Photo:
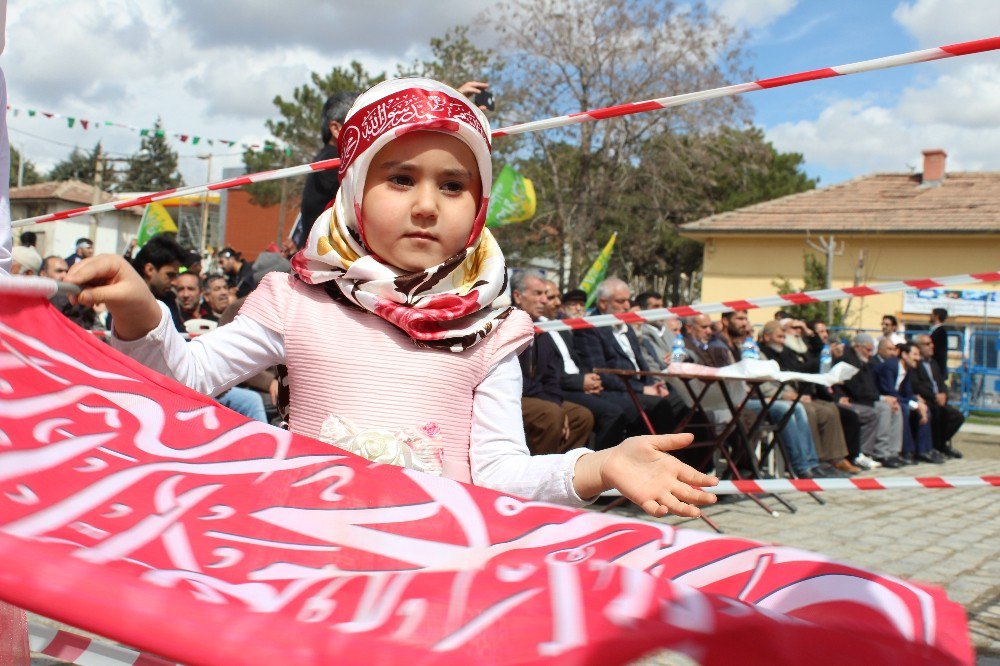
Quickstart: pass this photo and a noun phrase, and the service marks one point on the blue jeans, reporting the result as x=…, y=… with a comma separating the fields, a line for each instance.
x=244, y=401
x=796, y=434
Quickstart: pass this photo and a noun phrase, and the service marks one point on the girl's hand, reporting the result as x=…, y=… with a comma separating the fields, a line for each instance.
x=109, y=279
x=643, y=472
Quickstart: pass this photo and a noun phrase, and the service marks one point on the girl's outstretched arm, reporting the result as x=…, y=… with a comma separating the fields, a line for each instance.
x=642, y=470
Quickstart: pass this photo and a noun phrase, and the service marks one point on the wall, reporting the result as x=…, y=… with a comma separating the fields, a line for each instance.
x=114, y=229
x=250, y=228
x=745, y=266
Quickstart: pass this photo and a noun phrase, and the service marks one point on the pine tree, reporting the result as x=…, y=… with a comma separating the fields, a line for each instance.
x=154, y=167
x=82, y=166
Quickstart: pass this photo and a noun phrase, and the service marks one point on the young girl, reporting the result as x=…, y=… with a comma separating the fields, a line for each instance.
x=393, y=347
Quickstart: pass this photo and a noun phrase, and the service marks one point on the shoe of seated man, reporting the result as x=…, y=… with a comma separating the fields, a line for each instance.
x=828, y=471
x=931, y=457
x=951, y=452
x=844, y=465
x=864, y=462
x=892, y=462
x=907, y=459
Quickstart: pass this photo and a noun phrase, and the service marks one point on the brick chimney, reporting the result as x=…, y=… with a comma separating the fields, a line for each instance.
x=934, y=159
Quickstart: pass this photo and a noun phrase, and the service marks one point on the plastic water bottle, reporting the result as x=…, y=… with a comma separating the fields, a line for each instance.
x=677, y=352
x=749, y=350
x=825, y=359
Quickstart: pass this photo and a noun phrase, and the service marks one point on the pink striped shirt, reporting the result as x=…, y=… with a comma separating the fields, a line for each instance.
x=353, y=364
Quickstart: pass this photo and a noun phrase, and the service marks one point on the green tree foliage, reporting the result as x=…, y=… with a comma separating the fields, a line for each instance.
x=814, y=278
x=80, y=165
x=29, y=173
x=154, y=167
x=455, y=59
x=299, y=127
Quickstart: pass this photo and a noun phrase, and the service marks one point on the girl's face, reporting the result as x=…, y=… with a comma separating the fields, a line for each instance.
x=421, y=196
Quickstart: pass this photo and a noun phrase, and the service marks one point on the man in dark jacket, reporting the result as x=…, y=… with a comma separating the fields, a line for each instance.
x=617, y=347
x=884, y=441
x=929, y=383
x=893, y=378
x=321, y=186
x=581, y=388
x=939, y=336
x=551, y=424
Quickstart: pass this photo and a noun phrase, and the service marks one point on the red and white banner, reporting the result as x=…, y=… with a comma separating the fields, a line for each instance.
x=135, y=508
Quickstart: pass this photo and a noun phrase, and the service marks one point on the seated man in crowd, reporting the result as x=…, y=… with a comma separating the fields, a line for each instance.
x=928, y=381
x=551, y=424
x=894, y=379
x=886, y=350
x=574, y=303
x=238, y=271
x=808, y=342
x=54, y=267
x=158, y=263
x=655, y=337
x=26, y=261
x=701, y=345
x=884, y=442
x=734, y=329
x=216, y=294
x=797, y=434
x=617, y=347
x=187, y=286
x=824, y=418
x=583, y=388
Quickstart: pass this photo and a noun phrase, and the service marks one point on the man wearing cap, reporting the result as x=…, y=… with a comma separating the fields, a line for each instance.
x=26, y=261
x=574, y=303
x=84, y=249
x=238, y=271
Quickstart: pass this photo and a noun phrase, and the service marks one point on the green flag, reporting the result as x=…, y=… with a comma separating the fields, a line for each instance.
x=597, y=271
x=512, y=200
x=155, y=220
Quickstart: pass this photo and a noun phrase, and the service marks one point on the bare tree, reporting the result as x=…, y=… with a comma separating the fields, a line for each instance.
x=563, y=56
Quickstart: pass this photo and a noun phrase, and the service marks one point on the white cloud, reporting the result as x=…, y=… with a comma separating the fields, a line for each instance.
x=752, y=14
x=940, y=22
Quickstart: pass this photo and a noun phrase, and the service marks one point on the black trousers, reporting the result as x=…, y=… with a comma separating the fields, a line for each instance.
x=851, y=424
x=609, y=418
x=945, y=422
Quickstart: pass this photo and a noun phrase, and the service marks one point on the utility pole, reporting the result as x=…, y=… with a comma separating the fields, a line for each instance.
x=827, y=245
x=204, y=204
x=98, y=182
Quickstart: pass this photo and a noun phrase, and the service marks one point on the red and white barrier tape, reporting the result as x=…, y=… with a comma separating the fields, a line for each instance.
x=76, y=649
x=937, y=53
x=815, y=485
x=779, y=300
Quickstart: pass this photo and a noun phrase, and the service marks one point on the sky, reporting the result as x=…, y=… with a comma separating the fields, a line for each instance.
x=211, y=69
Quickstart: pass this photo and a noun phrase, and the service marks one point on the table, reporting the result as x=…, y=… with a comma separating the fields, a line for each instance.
x=690, y=376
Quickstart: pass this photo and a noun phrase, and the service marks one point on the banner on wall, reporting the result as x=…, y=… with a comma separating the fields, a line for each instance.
x=958, y=302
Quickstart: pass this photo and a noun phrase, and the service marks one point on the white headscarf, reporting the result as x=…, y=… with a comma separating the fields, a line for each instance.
x=448, y=306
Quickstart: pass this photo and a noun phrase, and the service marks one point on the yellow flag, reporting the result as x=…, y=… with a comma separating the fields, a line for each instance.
x=155, y=220
x=597, y=271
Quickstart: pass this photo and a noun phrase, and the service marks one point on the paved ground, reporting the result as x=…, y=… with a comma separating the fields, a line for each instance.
x=950, y=538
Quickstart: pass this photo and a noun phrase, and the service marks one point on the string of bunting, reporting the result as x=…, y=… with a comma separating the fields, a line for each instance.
x=193, y=139
x=937, y=53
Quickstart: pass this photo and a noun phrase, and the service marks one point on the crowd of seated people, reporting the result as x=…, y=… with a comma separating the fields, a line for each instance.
x=893, y=412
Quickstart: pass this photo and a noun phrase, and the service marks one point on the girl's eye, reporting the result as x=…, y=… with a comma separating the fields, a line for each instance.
x=453, y=186
x=401, y=180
